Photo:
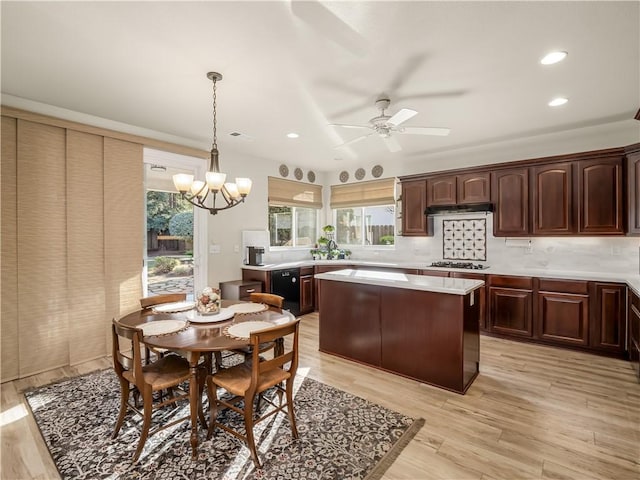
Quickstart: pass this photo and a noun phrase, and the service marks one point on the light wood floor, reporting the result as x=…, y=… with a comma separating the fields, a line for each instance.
x=533, y=412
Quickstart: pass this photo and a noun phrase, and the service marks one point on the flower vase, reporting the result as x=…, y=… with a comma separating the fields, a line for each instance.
x=208, y=301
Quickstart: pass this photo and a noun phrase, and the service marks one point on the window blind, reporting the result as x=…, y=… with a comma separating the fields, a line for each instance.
x=296, y=194
x=363, y=194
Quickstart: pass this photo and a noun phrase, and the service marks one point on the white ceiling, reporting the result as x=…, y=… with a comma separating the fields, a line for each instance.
x=298, y=66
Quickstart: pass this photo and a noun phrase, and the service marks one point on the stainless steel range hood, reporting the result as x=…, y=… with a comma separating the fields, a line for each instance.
x=468, y=208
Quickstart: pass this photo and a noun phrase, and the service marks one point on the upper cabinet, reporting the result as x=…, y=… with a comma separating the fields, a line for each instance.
x=510, y=193
x=460, y=189
x=600, y=197
x=577, y=194
x=633, y=188
x=553, y=199
x=414, y=203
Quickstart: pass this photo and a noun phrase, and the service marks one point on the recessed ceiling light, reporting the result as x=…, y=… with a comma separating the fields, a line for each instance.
x=556, y=102
x=553, y=57
x=292, y=135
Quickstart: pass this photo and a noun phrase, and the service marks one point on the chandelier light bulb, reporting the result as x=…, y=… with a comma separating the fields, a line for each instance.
x=232, y=190
x=198, y=188
x=215, y=180
x=244, y=186
x=182, y=182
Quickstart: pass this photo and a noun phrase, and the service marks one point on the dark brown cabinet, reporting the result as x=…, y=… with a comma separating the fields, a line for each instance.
x=262, y=276
x=634, y=331
x=553, y=199
x=607, y=317
x=600, y=197
x=473, y=188
x=240, y=289
x=441, y=190
x=510, y=194
x=633, y=189
x=306, y=293
x=511, y=305
x=414, y=203
x=459, y=189
x=563, y=311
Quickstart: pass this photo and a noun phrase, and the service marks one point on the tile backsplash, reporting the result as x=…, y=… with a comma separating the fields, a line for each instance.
x=464, y=239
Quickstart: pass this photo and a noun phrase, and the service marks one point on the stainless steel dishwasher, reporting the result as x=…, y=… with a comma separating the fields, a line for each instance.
x=286, y=283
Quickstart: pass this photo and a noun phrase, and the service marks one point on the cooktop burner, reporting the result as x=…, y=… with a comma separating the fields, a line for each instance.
x=468, y=265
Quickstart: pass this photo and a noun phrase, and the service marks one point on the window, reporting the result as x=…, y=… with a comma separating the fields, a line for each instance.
x=364, y=212
x=293, y=213
x=292, y=226
x=365, y=225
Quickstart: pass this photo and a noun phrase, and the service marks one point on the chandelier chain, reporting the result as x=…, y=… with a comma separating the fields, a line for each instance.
x=215, y=120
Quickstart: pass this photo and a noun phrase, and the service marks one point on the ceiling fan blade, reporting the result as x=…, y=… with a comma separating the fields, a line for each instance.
x=402, y=116
x=443, y=132
x=355, y=140
x=347, y=126
x=392, y=144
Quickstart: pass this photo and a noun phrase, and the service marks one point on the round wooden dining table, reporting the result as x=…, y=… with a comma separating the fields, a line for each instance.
x=207, y=336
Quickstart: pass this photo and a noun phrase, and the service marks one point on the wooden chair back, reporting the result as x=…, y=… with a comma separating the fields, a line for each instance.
x=127, y=356
x=273, y=301
x=287, y=353
x=148, y=302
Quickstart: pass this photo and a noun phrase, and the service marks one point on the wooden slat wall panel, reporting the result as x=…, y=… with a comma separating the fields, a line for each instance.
x=9, y=249
x=123, y=226
x=85, y=246
x=42, y=239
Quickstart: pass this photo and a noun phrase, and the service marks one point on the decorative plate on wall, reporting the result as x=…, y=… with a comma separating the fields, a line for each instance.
x=344, y=176
x=360, y=173
x=311, y=176
x=298, y=174
x=284, y=170
x=377, y=171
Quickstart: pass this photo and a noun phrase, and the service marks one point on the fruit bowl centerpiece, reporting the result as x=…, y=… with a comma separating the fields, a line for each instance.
x=208, y=301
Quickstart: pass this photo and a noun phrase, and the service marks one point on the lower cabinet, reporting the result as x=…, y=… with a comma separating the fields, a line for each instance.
x=607, y=331
x=563, y=318
x=306, y=294
x=482, y=295
x=511, y=306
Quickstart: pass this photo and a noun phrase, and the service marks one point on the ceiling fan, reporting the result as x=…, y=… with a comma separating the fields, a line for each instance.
x=387, y=125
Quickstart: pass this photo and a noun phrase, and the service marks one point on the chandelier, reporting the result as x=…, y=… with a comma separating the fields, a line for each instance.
x=196, y=192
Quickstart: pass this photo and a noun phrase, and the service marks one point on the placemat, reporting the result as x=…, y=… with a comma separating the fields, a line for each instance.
x=224, y=314
x=248, y=307
x=243, y=329
x=173, y=307
x=162, y=327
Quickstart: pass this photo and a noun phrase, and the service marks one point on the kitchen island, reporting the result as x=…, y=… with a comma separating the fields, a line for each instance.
x=421, y=327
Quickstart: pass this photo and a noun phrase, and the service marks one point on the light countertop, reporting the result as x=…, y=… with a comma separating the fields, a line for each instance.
x=631, y=279
x=454, y=286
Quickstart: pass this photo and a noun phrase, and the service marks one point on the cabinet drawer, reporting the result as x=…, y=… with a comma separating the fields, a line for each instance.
x=247, y=289
x=435, y=273
x=635, y=300
x=563, y=286
x=526, y=283
x=306, y=271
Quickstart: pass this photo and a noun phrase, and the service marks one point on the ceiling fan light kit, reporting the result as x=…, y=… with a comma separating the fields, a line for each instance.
x=386, y=125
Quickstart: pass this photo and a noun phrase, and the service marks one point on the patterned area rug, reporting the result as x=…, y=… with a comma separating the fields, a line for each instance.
x=341, y=437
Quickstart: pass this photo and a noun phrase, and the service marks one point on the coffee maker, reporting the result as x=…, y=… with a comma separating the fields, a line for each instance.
x=254, y=255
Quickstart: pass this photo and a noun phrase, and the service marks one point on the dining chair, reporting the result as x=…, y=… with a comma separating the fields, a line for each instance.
x=166, y=373
x=271, y=300
x=251, y=378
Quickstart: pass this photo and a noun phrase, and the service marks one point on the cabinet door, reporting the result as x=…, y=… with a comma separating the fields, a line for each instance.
x=441, y=190
x=473, y=188
x=563, y=318
x=306, y=294
x=633, y=192
x=510, y=311
x=553, y=199
x=510, y=193
x=608, y=316
x=414, y=203
x=600, y=201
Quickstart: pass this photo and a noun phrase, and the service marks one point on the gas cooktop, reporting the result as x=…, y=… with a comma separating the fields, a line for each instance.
x=468, y=265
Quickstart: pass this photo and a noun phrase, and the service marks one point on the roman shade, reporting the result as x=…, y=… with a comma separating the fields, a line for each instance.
x=364, y=194
x=295, y=194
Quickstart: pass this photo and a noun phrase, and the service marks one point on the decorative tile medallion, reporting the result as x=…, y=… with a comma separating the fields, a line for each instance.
x=298, y=173
x=465, y=239
x=360, y=173
x=344, y=176
x=284, y=170
x=377, y=171
x=311, y=176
